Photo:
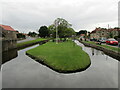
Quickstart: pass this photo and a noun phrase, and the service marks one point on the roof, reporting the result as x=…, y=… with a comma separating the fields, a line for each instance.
x=5, y=27
x=103, y=29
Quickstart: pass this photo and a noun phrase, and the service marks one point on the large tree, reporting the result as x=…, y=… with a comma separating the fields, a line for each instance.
x=63, y=28
x=43, y=31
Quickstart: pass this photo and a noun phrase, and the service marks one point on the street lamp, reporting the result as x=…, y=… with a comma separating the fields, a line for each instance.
x=56, y=25
x=56, y=35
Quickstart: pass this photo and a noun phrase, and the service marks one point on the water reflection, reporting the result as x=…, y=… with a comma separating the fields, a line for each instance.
x=8, y=55
x=24, y=72
x=92, y=51
x=96, y=52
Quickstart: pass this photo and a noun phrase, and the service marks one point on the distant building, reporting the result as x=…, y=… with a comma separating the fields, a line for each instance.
x=99, y=33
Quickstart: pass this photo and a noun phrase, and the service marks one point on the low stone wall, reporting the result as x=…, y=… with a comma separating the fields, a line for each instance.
x=8, y=44
x=109, y=52
x=31, y=44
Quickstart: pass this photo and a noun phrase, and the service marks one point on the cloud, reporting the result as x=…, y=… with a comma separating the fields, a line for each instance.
x=29, y=15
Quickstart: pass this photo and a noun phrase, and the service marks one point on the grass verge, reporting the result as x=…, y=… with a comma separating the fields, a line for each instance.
x=105, y=46
x=64, y=57
x=29, y=42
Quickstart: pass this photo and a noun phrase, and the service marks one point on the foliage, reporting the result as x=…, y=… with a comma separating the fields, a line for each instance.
x=82, y=32
x=63, y=27
x=44, y=31
x=21, y=35
x=110, y=35
x=32, y=34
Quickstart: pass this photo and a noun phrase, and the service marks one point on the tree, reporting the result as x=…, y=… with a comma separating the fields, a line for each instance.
x=110, y=35
x=21, y=35
x=52, y=30
x=63, y=27
x=32, y=34
x=82, y=32
x=44, y=31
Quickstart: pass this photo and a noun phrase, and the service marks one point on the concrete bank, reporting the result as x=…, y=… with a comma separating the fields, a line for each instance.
x=111, y=53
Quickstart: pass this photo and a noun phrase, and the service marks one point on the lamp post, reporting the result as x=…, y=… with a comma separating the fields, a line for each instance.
x=56, y=26
x=56, y=35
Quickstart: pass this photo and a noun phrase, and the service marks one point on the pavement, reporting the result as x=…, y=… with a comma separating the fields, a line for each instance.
x=27, y=39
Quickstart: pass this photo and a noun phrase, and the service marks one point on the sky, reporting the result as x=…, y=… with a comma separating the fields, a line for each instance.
x=30, y=15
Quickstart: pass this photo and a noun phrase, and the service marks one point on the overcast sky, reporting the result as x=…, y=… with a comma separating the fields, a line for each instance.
x=29, y=15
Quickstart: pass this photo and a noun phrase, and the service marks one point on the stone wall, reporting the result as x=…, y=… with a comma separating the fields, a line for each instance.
x=8, y=45
x=8, y=39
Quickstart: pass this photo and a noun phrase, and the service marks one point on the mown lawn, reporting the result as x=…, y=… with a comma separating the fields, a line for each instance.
x=64, y=56
x=105, y=46
x=28, y=42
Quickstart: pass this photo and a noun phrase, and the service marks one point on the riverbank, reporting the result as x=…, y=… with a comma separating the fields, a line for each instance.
x=65, y=57
x=111, y=51
x=31, y=43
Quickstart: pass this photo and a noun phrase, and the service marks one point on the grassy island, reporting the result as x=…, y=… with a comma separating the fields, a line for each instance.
x=62, y=57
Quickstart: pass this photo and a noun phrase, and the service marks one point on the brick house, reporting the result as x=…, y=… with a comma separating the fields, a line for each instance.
x=8, y=37
x=99, y=33
x=8, y=32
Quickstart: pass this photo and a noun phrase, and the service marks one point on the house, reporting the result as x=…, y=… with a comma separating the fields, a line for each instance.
x=7, y=32
x=100, y=33
x=8, y=37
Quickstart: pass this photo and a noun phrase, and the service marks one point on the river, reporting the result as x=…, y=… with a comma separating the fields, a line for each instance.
x=24, y=72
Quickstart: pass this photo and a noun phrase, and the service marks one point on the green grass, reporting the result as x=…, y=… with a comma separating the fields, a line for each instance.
x=112, y=48
x=62, y=57
x=28, y=42
x=105, y=46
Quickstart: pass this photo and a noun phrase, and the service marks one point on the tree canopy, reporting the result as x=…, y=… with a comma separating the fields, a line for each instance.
x=43, y=31
x=63, y=27
x=32, y=34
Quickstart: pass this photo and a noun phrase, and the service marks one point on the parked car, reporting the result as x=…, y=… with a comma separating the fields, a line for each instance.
x=112, y=41
x=103, y=40
x=93, y=39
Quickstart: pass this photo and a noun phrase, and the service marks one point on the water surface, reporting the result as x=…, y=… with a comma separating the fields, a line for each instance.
x=24, y=72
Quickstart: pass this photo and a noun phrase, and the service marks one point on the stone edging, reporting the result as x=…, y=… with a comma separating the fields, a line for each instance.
x=111, y=53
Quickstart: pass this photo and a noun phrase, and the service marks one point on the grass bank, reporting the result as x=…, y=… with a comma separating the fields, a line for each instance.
x=64, y=57
x=105, y=46
x=29, y=42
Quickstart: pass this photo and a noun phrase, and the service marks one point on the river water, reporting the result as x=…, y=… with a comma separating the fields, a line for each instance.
x=24, y=72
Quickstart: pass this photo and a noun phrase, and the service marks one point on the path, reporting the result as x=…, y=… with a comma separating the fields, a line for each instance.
x=27, y=39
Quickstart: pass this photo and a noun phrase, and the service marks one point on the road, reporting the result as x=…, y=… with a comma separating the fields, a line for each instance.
x=27, y=39
x=24, y=72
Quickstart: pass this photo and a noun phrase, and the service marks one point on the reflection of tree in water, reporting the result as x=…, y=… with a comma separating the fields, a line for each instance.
x=92, y=51
x=97, y=52
x=106, y=57
x=102, y=53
